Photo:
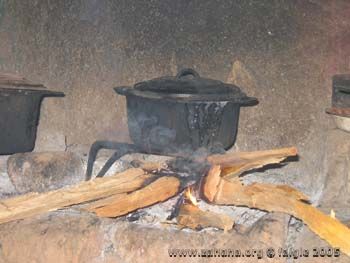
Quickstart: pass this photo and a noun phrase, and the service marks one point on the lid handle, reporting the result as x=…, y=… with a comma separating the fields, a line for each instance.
x=187, y=71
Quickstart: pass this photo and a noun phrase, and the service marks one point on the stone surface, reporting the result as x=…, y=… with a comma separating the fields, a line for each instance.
x=40, y=172
x=342, y=123
x=270, y=231
x=52, y=238
x=50, y=141
x=336, y=192
x=308, y=240
x=6, y=187
x=71, y=237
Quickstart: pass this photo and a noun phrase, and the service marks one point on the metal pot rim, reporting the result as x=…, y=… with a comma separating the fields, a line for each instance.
x=26, y=91
x=188, y=86
x=186, y=98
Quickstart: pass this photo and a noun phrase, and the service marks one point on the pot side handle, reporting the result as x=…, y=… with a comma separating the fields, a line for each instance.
x=124, y=90
x=51, y=93
x=187, y=71
x=248, y=101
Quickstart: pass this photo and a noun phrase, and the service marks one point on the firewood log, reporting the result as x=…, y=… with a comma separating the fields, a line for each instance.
x=229, y=158
x=34, y=204
x=234, y=164
x=118, y=205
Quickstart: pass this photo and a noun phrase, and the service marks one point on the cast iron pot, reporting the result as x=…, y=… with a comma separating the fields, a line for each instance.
x=183, y=113
x=19, y=115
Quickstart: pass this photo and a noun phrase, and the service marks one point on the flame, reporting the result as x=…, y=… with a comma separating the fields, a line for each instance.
x=332, y=214
x=190, y=196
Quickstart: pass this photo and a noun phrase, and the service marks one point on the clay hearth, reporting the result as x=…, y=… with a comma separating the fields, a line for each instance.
x=138, y=234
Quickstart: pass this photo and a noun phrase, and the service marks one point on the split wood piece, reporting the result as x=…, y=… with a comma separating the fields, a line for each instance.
x=34, y=204
x=228, y=158
x=239, y=168
x=193, y=217
x=276, y=198
x=234, y=164
x=118, y=205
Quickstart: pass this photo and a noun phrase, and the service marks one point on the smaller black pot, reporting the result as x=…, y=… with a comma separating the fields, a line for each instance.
x=19, y=115
x=183, y=113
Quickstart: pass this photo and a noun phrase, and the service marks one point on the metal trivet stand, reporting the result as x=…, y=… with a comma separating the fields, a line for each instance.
x=184, y=161
x=121, y=150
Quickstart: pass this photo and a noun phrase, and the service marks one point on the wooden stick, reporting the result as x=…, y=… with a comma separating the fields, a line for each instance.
x=238, y=157
x=236, y=170
x=276, y=198
x=193, y=217
x=33, y=203
x=234, y=164
x=118, y=205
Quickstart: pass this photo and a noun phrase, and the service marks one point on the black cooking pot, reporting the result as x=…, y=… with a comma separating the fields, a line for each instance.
x=183, y=113
x=19, y=115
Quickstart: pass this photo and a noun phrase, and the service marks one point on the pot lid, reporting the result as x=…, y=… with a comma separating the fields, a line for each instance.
x=187, y=85
x=17, y=84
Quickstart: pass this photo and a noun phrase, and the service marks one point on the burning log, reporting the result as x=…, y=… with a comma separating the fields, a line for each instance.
x=191, y=216
x=118, y=205
x=233, y=164
x=34, y=204
x=276, y=198
x=228, y=159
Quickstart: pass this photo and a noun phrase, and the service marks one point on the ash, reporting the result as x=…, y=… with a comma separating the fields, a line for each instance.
x=157, y=215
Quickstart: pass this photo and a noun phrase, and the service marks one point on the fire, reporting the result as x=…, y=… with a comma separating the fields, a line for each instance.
x=190, y=196
x=332, y=214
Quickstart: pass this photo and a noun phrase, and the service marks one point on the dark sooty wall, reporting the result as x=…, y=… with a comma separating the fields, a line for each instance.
x=285, y=53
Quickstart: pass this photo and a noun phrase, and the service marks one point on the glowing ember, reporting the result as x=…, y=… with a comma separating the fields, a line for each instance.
x=332, y=214
x=190, y=196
